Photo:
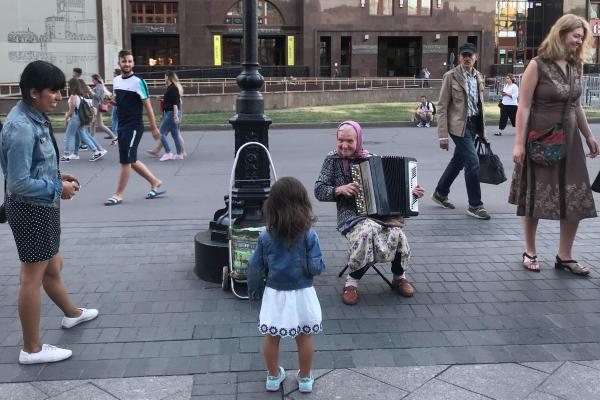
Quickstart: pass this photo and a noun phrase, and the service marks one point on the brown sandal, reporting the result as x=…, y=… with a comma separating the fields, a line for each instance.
x=530, y=261
x=574, y=269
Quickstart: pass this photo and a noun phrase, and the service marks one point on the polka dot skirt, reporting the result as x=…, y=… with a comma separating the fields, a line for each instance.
x=36, y=230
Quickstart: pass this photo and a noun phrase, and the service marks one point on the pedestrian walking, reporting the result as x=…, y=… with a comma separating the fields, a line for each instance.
x=550, y=100
x=77, y=129
x=101, y=104
x=461, y=117
x=171, y=117
x=34, y=188
x=114, y=119
x=288, y=256
x=508, y=104
x=131, y=96
x=171, y=78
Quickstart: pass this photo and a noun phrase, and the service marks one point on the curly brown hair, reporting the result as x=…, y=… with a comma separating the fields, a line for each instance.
x=287, y=211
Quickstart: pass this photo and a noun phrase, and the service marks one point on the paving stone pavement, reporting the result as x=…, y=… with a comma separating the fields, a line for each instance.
x=478, y=327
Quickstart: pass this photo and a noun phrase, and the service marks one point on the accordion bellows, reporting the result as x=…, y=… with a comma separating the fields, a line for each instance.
x=385, y=186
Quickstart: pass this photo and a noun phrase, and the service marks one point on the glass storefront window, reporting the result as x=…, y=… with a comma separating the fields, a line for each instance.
x=519, y=30
x=156, y=12
x=268, y=15
x=419, y=7
x=381, y=7
x=155, y=50
x=594, y=10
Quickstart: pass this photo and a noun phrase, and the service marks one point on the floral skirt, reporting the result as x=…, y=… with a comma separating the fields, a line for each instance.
x=290, y=312
x=372, y=243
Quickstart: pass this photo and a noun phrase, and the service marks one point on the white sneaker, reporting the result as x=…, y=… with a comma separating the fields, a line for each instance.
x=427, y=125
x=74, y=157
x=178, y=157
x=48, y=354
x=86, y=315
x=166, y=157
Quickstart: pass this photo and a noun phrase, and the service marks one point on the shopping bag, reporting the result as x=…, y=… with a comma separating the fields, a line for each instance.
x=596, y=184
x=491, y=169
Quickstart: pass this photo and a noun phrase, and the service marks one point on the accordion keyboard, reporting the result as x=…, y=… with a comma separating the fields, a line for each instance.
x=361, y=204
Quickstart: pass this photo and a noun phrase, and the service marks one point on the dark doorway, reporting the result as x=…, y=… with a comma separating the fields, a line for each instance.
x=346, y=56
x=452, y=59
x=398, y=56
x=325, y=56
x=271, y=50
x=155, y=50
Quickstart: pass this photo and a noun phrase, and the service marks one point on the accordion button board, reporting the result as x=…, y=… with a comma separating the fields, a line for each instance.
x=385, y=186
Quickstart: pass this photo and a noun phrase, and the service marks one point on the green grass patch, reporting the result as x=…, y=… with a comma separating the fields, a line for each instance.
x=363, y=113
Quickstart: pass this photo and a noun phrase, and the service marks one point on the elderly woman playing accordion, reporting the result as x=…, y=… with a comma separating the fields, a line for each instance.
x=372, y=241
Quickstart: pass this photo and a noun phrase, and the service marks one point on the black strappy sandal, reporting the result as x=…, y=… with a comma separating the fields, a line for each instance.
x=576, y=269
x=531, y=260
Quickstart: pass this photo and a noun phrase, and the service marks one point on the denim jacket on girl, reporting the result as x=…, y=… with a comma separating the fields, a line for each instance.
x=285, y=269
x=28, y=158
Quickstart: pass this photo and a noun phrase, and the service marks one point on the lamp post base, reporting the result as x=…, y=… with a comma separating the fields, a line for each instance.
x=211, y=257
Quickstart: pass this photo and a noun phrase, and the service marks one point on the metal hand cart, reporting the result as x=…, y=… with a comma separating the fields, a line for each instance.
x=242, y=239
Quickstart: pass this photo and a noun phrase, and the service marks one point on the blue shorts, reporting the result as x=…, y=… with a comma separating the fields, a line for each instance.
x=129, y=139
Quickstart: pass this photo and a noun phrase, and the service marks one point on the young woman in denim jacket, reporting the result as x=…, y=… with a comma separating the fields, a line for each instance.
x=34, y=187
x=288, y=254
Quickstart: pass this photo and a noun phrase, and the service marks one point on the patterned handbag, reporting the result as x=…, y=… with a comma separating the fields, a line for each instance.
x=549, y=147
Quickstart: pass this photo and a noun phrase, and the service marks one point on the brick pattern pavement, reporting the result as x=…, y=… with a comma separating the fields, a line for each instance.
x=474, y=304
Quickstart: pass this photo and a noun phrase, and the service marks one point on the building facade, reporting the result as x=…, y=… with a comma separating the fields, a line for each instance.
x=356, y=38
x=68, y=33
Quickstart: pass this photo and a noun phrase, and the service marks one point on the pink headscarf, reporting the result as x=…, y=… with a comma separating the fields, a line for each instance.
x=360, y=152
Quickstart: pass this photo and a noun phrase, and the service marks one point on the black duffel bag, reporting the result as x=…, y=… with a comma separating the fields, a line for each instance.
x=491, y=169
x=596, y=184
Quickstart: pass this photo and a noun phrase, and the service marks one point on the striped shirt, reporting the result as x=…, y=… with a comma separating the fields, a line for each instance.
x=130, y=91
x=472, y=91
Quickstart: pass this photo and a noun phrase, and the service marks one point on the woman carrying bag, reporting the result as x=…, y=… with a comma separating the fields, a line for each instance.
x=101, y=106
x=554, y=184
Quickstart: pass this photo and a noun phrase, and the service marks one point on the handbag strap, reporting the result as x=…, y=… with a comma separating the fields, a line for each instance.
x=564, y=113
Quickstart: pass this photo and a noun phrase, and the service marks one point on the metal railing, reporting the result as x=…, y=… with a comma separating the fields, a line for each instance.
x=590, y=89
x=285, y=85
x=281, y=85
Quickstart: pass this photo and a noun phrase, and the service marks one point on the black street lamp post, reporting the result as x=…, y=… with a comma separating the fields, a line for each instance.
x=252, y=175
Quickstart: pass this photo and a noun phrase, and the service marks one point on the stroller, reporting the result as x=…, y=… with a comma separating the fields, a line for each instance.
x=242, y=239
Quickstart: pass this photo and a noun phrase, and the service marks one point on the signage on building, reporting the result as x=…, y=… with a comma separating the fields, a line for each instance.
x=218, y=59
x=595, y=23
x=435, y=49
x=260, y=30
x=290, y=50
x=158, y=29
x=364, y=49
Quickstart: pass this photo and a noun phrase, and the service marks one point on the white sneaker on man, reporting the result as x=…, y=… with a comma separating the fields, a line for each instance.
x=86, y=315
x=48, y=354
x=427, y=125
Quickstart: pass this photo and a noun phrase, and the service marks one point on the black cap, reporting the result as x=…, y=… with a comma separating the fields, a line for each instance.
x=468, y=48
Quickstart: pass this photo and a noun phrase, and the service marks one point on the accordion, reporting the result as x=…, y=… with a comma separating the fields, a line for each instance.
x=385, y=186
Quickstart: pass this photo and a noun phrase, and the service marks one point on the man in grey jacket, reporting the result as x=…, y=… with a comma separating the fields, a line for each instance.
x=461, y=117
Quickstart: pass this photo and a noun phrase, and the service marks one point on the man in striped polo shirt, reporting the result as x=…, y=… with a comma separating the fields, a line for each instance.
x=130, y=95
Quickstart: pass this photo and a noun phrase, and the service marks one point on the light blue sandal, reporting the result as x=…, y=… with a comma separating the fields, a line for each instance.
x=305, y=385
x=273, y=382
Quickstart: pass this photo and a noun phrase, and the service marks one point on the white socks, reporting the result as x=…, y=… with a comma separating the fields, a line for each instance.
x=350, y=281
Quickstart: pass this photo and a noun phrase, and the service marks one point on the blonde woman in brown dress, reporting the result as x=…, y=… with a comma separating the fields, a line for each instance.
x=561, y=192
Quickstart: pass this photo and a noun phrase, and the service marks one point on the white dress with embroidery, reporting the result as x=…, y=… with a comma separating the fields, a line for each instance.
x=290, y=312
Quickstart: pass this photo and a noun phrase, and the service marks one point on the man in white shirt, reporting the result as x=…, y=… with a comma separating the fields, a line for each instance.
x=424, y=113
